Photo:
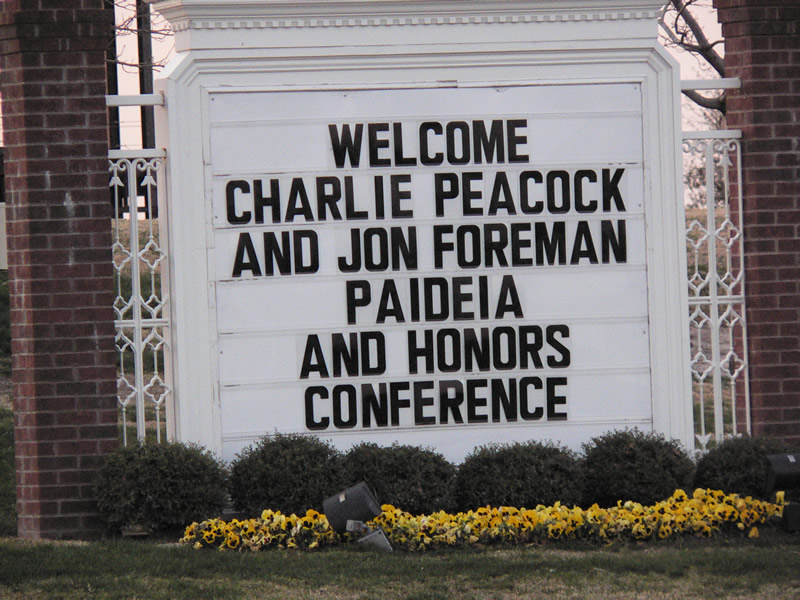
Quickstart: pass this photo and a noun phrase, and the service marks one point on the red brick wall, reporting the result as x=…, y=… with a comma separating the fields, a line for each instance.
x=63, y=373
x=762, y=47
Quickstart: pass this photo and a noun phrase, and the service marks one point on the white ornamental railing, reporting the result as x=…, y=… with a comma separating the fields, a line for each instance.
x=140, y=277
x=716, y=292
x=715, y=272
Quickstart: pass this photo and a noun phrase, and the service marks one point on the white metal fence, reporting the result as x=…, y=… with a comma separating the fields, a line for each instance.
x=715, y=279
x=141, y=304
x=715, y=272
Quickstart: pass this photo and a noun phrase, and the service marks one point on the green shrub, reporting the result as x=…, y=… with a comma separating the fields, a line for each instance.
x=159, y=486
x=289, y=473
x=8, y=483
x=632, y=465
x=519, y=474
x=739, y=465
x=417, y=480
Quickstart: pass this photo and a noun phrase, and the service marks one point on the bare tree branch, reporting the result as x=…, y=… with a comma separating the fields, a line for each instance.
x=128, y=27
x=680, y=28
x=712, y=102
x=700, y=45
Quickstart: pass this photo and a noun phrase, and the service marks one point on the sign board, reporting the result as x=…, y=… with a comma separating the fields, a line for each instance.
x=435, y=262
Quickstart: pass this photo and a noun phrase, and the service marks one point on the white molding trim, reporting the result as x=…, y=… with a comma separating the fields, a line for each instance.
x=267, y=14
x=403, y=21
x=322, y=24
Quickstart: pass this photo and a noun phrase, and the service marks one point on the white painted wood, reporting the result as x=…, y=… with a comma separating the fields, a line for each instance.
x=135, y=100
x=723, y=83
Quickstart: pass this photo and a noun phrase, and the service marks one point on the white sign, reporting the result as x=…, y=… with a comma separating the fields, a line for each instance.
x=464, y=264
x=433, y=223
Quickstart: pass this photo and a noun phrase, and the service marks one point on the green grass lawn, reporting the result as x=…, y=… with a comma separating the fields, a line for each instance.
x=767, y=568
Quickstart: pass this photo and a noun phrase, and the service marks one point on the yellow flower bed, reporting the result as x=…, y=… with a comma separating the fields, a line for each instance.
x=705, y=513
x=272, y=530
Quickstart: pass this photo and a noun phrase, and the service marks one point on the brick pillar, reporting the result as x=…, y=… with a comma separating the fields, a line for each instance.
x=59, y=254
x=762, y=47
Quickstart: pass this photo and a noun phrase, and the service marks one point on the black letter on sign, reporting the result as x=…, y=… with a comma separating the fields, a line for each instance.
x=584, y=246
x=376, y=144
x=230, y=202
x=580, y=206
x=298, y=239
x=450, y=403
x=424, y=351
x=505, y=400
x=260, y=201
x=611, y=190
x=425, y=156
x=313, y=359
x=322, y=392
x=240, y=264
x=450, y=131
x=508, y=300
x=399, y=159
x=298, y=203
x=564, y=360
x=440, y=193
x=344, y=354
x=490, y=145
x=396, y=402
x=421, y=401
x=524, y=410
x=353, y=300
x=615, y=241
x=389, y=304
x=553, y=400
x=515, y=140
x=373, y=340
x=553, y=247
x=346, y=145
x=372, y=404
x=277, y=254
x=352, y=415
x=553, y=205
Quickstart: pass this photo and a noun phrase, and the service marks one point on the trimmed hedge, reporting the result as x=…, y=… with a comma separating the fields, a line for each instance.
x=418, y=479
x=163, y=486
x=739, y=465
x=159, y=486
x=632, y=465
x=519, y=474
x=289, y=473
